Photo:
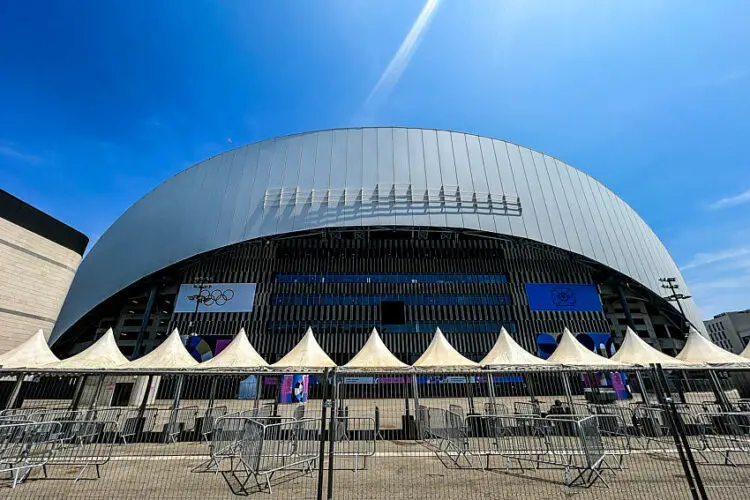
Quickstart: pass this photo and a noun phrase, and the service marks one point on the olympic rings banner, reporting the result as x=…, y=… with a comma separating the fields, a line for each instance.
x=215, y=297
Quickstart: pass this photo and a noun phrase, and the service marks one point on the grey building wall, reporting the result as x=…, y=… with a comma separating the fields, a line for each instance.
x=730, y=330
x=35, y=274
x=369, y=177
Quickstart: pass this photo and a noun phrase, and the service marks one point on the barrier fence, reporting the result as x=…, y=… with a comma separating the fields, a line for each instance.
x=344, y=434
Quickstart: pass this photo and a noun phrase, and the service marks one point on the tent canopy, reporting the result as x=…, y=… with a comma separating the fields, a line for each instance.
x=746, y=352
x=169, y=354
x=441, y=354
x=635, y=350
x=238, y=354
x=698, y=349
x=103, y=354
x=34, y=353
x=571, y=352
x=507, y=352
x=306, y=354
x=374, y=354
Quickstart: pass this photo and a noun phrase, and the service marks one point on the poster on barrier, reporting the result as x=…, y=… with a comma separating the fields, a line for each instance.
x=294, y=388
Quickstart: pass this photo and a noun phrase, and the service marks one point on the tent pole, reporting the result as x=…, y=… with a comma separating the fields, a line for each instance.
x=568, y=391
x=642, y=386
x=16, y=391
x=491, y=390
x=212, y=393
x=175, y=403
x=99, y=384
x=721, y=398
x=415, y=392
x=470, y=394
x=530, y=386
x=78, y=392
x=406, y=398
x=258, y=390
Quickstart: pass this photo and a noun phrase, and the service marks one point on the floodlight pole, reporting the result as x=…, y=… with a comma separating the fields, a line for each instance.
x=201, y=283
x=671, y=285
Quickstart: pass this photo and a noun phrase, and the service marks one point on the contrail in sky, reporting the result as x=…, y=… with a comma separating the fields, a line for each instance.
x=400, y=61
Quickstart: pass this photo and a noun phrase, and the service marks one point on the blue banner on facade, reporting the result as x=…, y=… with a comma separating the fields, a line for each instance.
x=563, y=297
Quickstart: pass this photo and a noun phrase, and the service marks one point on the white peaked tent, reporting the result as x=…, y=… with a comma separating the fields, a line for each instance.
x=507, y=352
x=374, y=354
x=746, y=352
x=306, y=354
x=635, y=350
x=238, y=354
x=169, y=354
x=698, y=349
x=103, y=354
x=441, y=354
x=571, y=352
x=34, y=353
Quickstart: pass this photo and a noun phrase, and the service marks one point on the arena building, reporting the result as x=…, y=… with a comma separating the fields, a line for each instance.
x=396, y=228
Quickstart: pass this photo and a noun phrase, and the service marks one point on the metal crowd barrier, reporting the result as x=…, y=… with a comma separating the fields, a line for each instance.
x=225, y=438
x=25, y=446
x=495, y=409
x=226, y=434
x=573, y=443
x=448, y=429
x=354, y=437
x=134, y=422
x=16, y=414
x=84, y=443
x=55, y=415
x=265, y=449
x=527, y=408
x=209, y=418
x=724, y=433
x=181, y=420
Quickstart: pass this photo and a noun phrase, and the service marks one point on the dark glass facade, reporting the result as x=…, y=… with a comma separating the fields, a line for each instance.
x=345, y=282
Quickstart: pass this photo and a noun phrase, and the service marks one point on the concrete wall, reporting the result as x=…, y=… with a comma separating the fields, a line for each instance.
x=35, y=274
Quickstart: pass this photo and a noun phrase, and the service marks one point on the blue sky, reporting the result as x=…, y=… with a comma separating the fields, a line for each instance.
x=101, y=101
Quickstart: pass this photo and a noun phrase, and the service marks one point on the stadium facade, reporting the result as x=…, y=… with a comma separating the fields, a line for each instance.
x=396, y=228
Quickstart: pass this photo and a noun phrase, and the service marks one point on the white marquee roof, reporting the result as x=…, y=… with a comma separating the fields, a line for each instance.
x=240, y=353
x=34, y=353
x=169, y=354
x=571, y=352
x=746, y=352
x=507, y=352
x=374, y=354
x=635, y=350
x=441, y=354
x=698, y=349
x=306, y=354
x=102, y=354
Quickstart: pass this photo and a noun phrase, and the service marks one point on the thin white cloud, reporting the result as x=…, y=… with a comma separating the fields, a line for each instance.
x=400, y=60
x=14, y=154
x=731, y=201
x=708, y=258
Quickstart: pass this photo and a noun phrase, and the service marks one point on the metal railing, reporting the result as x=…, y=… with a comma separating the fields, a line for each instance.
x=264, y=449
x=389, y=427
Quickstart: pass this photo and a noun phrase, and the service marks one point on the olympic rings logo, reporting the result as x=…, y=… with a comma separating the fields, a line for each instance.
x=215, y=296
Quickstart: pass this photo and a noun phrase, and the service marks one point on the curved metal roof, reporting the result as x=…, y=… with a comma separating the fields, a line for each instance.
x=367, y=177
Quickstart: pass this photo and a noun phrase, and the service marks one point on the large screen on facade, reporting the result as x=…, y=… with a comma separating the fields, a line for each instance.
x=219, y=297
x=563, y=297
